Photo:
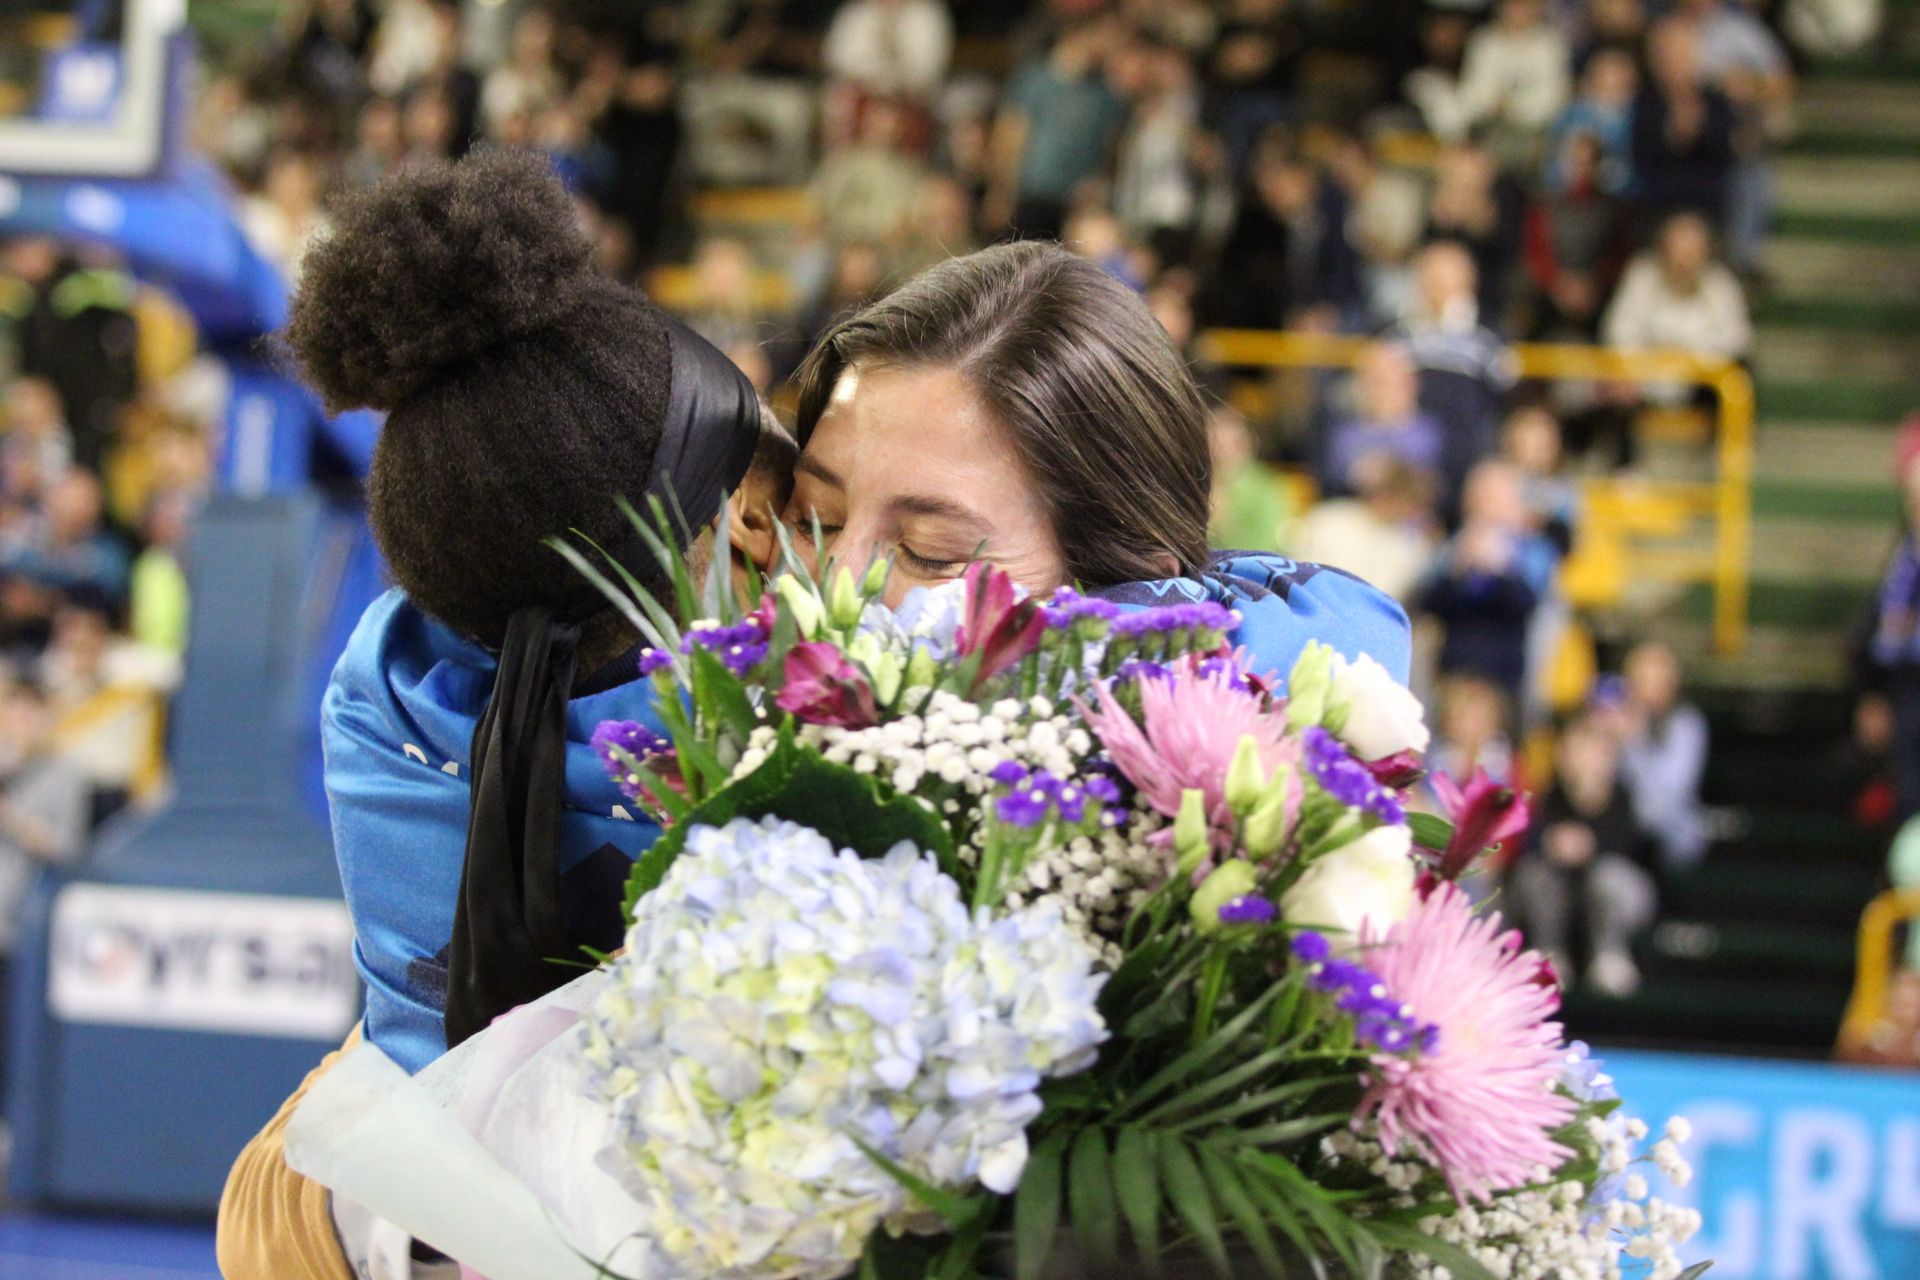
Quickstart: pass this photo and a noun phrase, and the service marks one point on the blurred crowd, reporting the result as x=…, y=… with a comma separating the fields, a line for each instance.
x=1440, y=178
x=100, y=472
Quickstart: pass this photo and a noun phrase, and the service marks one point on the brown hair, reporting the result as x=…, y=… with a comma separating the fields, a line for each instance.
x=1097, y=401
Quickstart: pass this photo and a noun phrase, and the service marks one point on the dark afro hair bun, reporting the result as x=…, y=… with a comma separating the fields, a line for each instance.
x=432, y=268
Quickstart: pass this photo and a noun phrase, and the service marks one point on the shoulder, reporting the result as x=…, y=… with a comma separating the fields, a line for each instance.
x=1285, y=604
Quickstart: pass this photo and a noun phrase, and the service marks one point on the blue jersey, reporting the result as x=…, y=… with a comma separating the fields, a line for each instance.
x=397, y=727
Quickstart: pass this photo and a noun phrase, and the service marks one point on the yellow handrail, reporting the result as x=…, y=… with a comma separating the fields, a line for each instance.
x=1732, y=489
x=1875, y=962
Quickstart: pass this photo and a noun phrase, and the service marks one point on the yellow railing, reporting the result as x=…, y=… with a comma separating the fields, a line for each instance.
x=1875, y=963
x=1728, y=498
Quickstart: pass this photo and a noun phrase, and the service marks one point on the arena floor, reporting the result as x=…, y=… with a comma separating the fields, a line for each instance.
x=33, y=1247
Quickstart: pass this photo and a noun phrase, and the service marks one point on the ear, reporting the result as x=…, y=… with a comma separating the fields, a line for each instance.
x=750, y=522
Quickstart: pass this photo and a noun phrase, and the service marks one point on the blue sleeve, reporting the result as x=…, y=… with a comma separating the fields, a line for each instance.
x=1362, y=619
x=399, y=828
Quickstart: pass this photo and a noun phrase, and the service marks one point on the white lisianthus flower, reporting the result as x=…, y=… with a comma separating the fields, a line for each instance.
x=779, y=1003
x=1382, y=717
x=1365, y=884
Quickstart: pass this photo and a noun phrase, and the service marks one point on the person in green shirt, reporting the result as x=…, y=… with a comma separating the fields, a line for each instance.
x=158, y=594
x=1250, y=508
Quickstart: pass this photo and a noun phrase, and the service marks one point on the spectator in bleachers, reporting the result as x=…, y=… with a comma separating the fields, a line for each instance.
x=1475, y=205
x=1676, y=295
x=1470, y=733
x=1514, y=80
x=1287, y=262
x=1252, y=72
x=1387, y=220
x=941, y=226
x=1575, y=235
x=868, y=190
x=1058, y=124
x=1579, y=878
x=380, y=142
x=1465, y=368
x=1682, y=129
x=1384, y=534
x=67, y=548
x=1742, y=57
x=1663, y=756
x=37, y=449
x=528, y=82
x=286, y=216
x=1531, y=441
x=893, y=51
x=1156, y=190
x=157, y=600
x=45, y=806
x=1603, y=112
x=1435, y=88
x=1488, y=582
x=1888, y=665
x=1249, y=512
x=1388, y=420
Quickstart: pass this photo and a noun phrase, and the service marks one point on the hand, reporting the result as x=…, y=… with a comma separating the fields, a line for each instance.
x=1873, y=726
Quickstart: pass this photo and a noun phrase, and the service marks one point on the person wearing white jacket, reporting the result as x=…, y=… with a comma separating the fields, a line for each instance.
x=1516, y=78
x=1677, y=295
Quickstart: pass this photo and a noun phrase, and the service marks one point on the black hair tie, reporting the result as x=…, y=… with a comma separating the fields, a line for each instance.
x=507, y=927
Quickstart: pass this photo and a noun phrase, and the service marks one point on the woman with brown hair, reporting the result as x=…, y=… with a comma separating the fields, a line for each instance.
x=1021, y=406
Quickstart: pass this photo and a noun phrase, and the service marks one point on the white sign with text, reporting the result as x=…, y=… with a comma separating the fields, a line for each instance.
x=230, y=962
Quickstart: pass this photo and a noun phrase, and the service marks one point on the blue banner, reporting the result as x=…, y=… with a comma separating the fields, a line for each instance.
x=1802, y=1171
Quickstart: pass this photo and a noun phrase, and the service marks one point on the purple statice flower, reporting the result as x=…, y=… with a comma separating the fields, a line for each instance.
x=1034, y=794
x=1251, y=909
x=1203, y=615
x=1380, y=1022
x=652, y=660
x=1347, y=780
x=740, y=647
x=624, y=746
x=1067, y=607
x=1141, y=669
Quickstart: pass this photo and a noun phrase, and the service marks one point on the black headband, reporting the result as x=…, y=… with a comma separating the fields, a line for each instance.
x=709, y=434
x=507, y=926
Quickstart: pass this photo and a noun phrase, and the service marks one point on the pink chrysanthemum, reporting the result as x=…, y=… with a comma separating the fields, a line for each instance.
x=1191, y=724
x=1483, y=1105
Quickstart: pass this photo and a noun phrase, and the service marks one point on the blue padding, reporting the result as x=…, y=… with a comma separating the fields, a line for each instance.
x=176, y=231
x=146, y=1117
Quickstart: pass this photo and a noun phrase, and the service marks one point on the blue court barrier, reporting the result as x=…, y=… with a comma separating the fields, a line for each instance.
x=1802, y=1171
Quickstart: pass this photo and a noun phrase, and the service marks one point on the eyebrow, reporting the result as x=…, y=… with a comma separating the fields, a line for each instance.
x=819, y=471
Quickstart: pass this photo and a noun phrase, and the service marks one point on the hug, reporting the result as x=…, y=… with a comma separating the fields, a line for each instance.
x=1018, y=405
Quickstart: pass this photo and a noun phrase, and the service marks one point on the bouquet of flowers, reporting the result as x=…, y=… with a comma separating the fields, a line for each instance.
x=997, y=935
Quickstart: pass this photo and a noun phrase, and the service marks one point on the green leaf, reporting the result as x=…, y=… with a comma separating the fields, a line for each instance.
x=1090, y=1196
x=1315, y=1201
x=1280, y=1213
x=1214, y=1046
x=1230, y=1190
x=1182, y=1104
x=719, y=696
x=1036, y=1209
x=1192, y=1203
x=1136, y=1180
x=954, y=1210
x=1405, y=1239
x=1283, y=1132
x=1430, y=832
x=852, y=810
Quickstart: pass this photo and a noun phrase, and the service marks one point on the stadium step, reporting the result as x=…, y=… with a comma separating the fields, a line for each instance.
x=1843, y=184
x=1805, y=352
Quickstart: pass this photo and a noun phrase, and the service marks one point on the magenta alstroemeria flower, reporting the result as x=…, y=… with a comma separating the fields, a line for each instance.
x=1399, y=771
x=1483, y=814
x=998, y=624
x=822, y=687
